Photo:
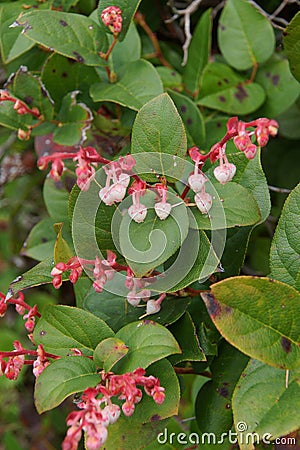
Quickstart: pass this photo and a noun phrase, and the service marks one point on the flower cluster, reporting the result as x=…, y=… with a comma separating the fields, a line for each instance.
x=103, y=270
x=118, y=173
x=112, y=18
x=241, y=133
x=97, y=410
x=21, y=308
x=87, y=158
x=21, y=108
x=13, y=366
x=74, y=265
x=197, y=182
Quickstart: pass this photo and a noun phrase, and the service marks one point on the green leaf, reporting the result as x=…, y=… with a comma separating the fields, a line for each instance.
x=10, y=119
x=63, y=377
x=109, y=352
x=147, y=342
x=39, y=274
x=126, y=51
x=260, y=317
x=285, y=249
x=128, y=8
x=116, y=311
x=12, y=41
x=236, y=202
x=198, y=54
x=245, y=36
x=129, y=90
x=40, y=242
x=289, y=122
x=31, y=91
x=148, y=244
x=62, y=251
x=213, y=404
x=222, y=89
x=192, y=119
x=158, y=132
x=184, y=331
x=62, y=75
x=235, y=250
x=71, y=35
x=291, y=44
x=62, y=328
x=250, y=174
x=169, y=77
x=74, y=120
x=281, y=88
x=196, y=261
x=278, y=414
x=56, y=200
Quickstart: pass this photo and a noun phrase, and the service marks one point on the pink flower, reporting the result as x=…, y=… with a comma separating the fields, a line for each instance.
x=225, y=172
x=203, y=202
x=112, y=18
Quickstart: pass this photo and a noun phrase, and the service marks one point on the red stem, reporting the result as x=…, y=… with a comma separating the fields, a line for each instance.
x=23, y=304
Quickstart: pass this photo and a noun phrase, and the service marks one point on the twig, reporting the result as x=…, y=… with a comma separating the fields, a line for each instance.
x=6, y=145
x=186, y=13
x=280, y=190
x=140, y=19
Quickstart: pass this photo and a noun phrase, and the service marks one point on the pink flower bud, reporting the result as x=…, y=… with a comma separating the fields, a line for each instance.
x=24, y=135
x=162, y=210
x=203, y=202
x=225, y=172
x=197, y=181
x=20, y=310
x=152, y=307
x=273, y=128
x=250, y=151
x=128, y=408
x=262, y=136
x=241, y=142
x=137, y=212
x=113, y=413
x=159, y=395
x=133, y=298
x=3, y=307
x=57, y=281
x=112, y=18
x=29, y=324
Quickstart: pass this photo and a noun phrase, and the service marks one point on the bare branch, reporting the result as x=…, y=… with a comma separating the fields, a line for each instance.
x=280, y=190
x=186, y=14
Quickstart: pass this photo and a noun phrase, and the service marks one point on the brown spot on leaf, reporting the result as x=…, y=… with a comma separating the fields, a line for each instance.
x=223, y=391
x=78, y=57
x=42, y=333
x=63, y=23
x=154, y=418
x=241, y=93
x=28, y=99
x=64, y=75
x=275, y=80
x=189, y=121
x=183, y=108
x=227, y=406
x=212, y=305
x=222, y=98
x=286, y=344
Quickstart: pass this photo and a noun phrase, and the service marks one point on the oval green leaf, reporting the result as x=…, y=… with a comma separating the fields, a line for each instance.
x=291, y=43
x=62, y=328
x=129, y=90
x=260, y=317
x=71, y=35
x=285, y=249
x=63, y=377
x=278, y=414
x=245, y=36
x=147, y=342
